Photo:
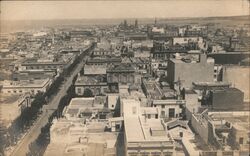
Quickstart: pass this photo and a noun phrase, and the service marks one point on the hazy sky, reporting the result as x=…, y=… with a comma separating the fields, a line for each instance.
x=26, y=10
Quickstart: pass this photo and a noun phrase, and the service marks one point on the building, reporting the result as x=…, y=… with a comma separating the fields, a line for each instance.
x=229, y=58
x=45, y=64
x=230, y=74
x=81, y=131
x=188, y=71
x=170, y=108
x=211, y=85
x=163, y=51
x=91, y=85
x=142, y=135
x=186, y=40
x=33, y=74
x=103, y=61
x=11, y=107
x=29, y=86
x=123, y=73
x=226, y=99
x=224, y=131
x=95, y=69
x=151, y=89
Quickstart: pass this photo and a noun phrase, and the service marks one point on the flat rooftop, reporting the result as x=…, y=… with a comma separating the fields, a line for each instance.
x=138, y=129
x=25, y=84
x=91, y=80
x=65, y=136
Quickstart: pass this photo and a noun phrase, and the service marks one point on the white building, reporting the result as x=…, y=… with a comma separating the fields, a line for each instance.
x=31, y=86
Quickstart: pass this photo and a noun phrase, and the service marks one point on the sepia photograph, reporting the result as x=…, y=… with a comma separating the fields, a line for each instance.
x=125, y=78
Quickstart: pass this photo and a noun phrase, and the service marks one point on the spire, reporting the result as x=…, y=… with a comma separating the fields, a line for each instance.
x=136, y=23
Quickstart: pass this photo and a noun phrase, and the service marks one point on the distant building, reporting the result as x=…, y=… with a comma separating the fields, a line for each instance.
x=162, y=50
x=102, y=52
x=104, y=61
x=186, y=40
x=95, y=69
x=136, y=36
x=33, y=74
x=136, y=23
x=38, y=64
x=123, y=73
x=229, y=58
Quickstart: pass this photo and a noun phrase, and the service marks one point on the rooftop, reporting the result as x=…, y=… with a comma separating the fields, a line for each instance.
x=125, y=67
x=25, y=84
x=138, y=129
x=91, y=80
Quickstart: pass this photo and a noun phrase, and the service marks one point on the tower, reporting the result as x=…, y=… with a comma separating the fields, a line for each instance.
x=136, y=23
x=125, y=24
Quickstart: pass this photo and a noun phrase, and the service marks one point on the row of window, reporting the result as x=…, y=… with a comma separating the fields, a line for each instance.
x=22, y=91
x=43, y=67
x=150, y=154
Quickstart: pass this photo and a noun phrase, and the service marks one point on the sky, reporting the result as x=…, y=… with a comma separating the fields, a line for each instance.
x=40, y=10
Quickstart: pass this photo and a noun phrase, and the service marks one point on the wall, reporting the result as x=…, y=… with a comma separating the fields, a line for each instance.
x=96, y=90
x=201, y=128
x=227, y=99
x=239, y=77
x=190, y=72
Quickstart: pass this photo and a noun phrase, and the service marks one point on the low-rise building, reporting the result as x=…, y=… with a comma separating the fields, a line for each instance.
x=91, y=85
x=123, y=73
x=224, y=131
x=11, y=107
x=170, y=108
x=33, y=74
x=30, y=86
x=81, y=131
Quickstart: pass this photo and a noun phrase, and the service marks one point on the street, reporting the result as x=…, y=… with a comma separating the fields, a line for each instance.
x=23, y=146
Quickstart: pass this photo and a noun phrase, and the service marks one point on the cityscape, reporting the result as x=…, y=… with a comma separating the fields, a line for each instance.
x=125, y=86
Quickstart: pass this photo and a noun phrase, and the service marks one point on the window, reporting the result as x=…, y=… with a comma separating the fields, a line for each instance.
x=171, y=112
x=162, y=106
x=134, y=110
x=162, y=113
x=79, y=90
x=149, y=116
x=156, y=116
x=241, y=141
